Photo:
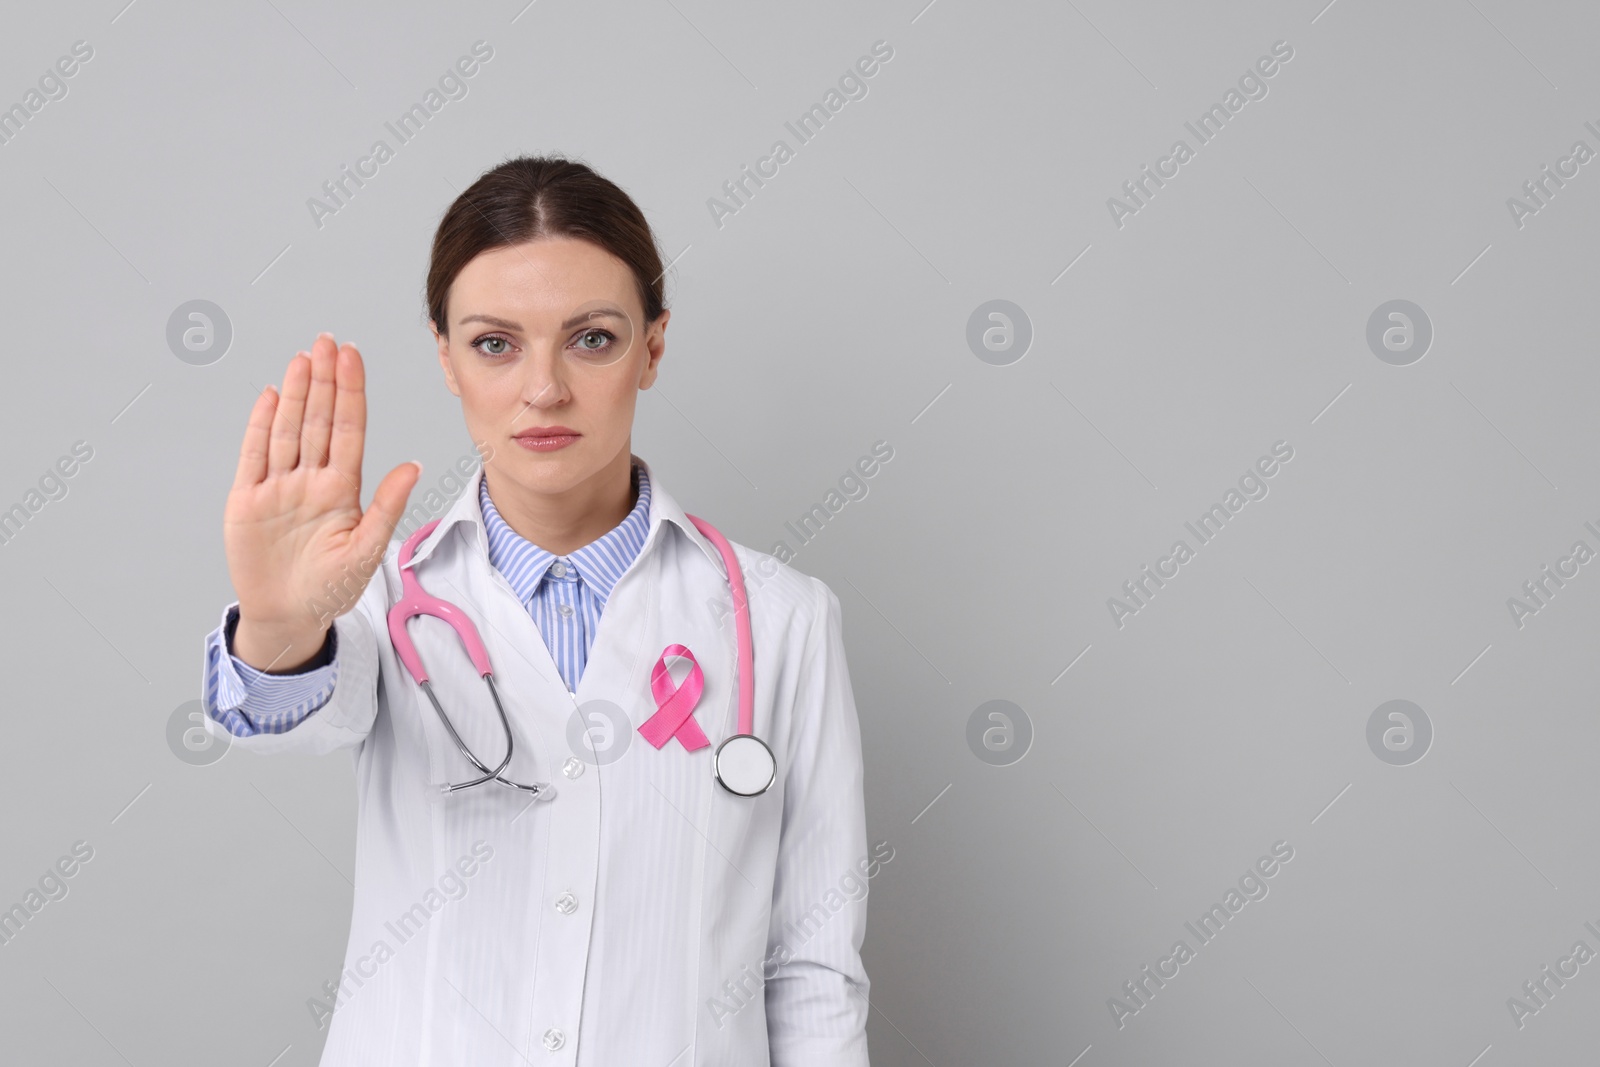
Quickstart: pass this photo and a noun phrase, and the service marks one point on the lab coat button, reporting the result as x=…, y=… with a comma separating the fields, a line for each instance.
x=573, y=767
x=554, y=1039
x=566, y=903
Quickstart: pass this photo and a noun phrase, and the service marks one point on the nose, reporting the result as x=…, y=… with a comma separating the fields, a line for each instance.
x=544, y=382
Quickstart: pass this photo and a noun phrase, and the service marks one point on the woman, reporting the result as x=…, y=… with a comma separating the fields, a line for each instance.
x=633, y=911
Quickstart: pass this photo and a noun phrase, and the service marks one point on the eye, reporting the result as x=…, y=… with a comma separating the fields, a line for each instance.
x=492, y=344
x=596, y=341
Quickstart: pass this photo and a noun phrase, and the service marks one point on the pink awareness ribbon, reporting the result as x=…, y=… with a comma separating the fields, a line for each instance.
x=674, y=715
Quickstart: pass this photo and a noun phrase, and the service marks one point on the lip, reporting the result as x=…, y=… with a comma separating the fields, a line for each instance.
x=546, y=431
x=545, y=438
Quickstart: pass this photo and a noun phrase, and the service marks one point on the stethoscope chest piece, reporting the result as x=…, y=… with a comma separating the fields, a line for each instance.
x=745, y=765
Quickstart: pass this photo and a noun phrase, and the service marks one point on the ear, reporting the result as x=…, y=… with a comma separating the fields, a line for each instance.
x=444, y=359
x=655, y=340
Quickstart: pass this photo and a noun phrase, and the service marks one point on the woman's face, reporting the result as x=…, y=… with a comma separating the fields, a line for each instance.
x=549, y=334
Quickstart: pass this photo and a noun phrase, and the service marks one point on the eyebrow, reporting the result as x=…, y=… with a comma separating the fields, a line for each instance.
x=581, y=317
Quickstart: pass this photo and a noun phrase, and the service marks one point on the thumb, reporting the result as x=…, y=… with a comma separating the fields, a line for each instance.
x=388, y=504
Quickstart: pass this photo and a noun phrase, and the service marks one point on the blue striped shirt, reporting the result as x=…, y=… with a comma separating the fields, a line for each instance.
x=564, y=595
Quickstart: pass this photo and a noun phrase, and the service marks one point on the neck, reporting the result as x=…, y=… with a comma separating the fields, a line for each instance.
x=564, y=522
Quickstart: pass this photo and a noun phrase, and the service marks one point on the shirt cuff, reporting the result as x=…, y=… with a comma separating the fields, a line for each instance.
x=249, y=701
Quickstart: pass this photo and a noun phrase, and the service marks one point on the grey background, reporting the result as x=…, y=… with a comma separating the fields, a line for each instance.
x=829, y=313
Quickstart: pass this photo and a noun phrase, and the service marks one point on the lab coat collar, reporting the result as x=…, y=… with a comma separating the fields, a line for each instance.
x=467, y=512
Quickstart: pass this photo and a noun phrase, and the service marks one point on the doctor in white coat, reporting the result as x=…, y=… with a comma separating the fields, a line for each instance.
x=637, y=913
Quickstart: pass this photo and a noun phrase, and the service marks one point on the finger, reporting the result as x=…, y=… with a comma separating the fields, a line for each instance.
x=283, y=449
x=388, y=503
x=253, y=452
x=349, y=414
x=317, y=425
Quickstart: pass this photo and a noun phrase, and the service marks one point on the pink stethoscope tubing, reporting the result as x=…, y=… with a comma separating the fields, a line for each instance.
x=743, y=764
x=415, y=601
x=741, y=622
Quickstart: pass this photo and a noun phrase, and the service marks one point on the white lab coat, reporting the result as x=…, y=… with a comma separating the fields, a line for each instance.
x=631, y=919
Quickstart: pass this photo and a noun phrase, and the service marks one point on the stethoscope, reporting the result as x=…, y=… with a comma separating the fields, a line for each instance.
x=743, y=763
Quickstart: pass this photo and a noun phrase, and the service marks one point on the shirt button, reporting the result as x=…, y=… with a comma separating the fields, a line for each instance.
x=566, y=903
x=565, y=610
x=558, y=569
x=573, y=767
x=554, y=1039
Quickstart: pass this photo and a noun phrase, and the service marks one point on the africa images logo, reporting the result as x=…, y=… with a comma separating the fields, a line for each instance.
x=1141, y=589
x=1252, y=886
x=1211, y=122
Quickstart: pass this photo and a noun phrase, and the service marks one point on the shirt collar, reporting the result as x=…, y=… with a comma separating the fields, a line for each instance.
x=598, y=564
x=467, y=512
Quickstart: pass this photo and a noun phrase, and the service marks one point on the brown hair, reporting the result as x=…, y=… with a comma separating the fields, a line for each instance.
x=530, y=197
